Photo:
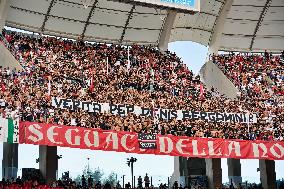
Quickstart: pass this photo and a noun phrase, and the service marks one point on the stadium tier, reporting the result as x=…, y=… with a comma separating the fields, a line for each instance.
x=102, y=73
x=257, y=76
x=97, y=75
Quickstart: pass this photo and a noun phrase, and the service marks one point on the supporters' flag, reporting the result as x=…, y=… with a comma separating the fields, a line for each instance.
x=9, y=130
x=13, y=131
x=92, y=84
x=128, y=59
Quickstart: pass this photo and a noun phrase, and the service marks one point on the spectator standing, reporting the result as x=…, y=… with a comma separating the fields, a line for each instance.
x=90, y=181
x=19, y=181
x=147, y=181
x=175, y=186
x=140, y=182
x=98, y=185
x=128, y=185
x=118, y=186
x=84, y=184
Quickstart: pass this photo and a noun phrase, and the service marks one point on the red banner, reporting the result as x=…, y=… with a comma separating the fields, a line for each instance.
x=94, y=139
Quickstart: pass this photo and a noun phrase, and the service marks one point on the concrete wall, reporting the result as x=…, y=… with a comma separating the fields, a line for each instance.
x=267, y=174
x=4, y=7
x=211, y=75
x=214, y=173
x=7, y=59
x=176, y=174
x=48, y=163
x=10, y=160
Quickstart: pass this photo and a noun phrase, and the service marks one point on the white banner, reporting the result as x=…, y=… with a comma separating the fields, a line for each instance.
x=165, y=114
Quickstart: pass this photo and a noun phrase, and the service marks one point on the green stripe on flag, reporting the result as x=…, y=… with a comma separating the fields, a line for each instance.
x=10, y=131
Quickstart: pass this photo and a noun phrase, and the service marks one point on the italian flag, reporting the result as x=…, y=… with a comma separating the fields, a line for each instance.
x=9, y=130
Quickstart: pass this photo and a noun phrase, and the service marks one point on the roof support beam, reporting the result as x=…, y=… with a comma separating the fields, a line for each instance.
x=83, y=22
x=264, y=10
x=89, y=18
x=166, y=31
x=46, y=16
x=4, y=7
x=194, y=28
x=127, y=23
x=218, y=28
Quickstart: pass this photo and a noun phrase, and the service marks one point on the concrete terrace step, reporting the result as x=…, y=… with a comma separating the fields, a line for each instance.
x=7, y=59
x=212, y=76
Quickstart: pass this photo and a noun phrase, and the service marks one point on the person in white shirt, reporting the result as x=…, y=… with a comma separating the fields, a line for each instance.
x=73, y=121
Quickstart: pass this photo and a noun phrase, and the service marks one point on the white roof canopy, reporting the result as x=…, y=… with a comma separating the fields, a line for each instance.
x=253, y=24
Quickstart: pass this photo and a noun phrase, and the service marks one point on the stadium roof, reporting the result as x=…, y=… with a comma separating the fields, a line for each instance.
x=250, y=24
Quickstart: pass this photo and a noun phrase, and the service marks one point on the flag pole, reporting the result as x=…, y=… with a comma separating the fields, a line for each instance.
x=107, y=64
x=248, y=122
x=128, y=59
x=49, y=88
x=248, y=126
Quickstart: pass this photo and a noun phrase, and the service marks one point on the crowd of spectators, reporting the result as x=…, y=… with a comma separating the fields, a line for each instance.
x=256, y=75
x=136, y=75
x=20, y=184
x=70, y=184
x=60, y=184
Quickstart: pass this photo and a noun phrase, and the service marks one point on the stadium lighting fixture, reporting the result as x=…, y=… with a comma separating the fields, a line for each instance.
x=130, y=162
x=88, y=165
x=123, y=177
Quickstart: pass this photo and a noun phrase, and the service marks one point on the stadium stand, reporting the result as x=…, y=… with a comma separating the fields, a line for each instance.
x=255, y=75
x=102, y=73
